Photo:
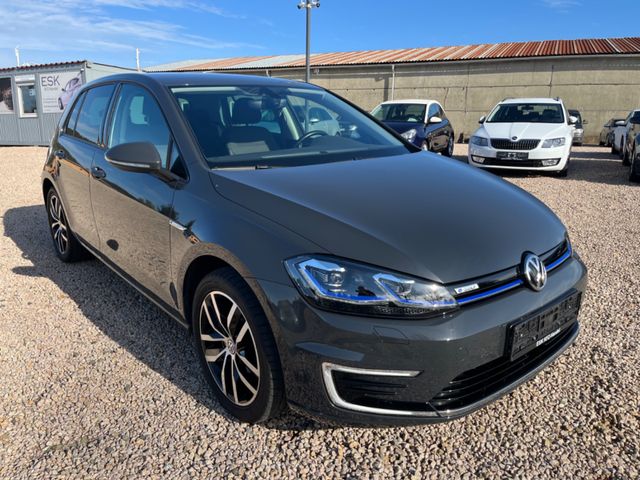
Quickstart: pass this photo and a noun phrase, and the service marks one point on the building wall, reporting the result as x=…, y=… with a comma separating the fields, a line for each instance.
x=16, y=130
x=600, y=87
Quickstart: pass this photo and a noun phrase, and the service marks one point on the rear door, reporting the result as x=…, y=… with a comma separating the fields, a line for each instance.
x=132, y=209
x=74, y=149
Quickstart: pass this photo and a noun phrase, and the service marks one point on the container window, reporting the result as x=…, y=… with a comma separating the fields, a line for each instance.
x=27, y=99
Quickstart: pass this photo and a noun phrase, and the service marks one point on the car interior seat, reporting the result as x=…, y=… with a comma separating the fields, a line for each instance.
x=243, y=136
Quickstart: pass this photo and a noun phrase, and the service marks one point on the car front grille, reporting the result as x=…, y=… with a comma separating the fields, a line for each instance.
x=506, y=144
x=477, y=384
x=500, y=162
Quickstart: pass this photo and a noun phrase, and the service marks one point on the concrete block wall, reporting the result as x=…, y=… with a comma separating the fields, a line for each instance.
x=600, y=87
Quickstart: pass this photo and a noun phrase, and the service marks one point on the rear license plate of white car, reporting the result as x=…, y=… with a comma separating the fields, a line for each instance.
x=513, y=155
x=539, y=328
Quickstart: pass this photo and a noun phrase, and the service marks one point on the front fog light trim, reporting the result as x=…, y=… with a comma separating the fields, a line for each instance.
x=550, y=162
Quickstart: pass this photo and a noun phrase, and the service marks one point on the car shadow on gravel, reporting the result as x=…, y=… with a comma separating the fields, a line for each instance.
x=123, y=314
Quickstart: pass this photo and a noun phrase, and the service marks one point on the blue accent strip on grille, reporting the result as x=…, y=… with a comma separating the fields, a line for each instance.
x=515, y=283
x=489, y=293
x=561, y=260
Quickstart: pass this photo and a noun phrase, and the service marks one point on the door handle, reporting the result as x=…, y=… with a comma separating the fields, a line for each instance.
x=60, y=154
x=97, y=172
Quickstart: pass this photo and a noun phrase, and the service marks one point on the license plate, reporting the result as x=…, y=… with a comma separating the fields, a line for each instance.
x=539, y=328
x=513, y=155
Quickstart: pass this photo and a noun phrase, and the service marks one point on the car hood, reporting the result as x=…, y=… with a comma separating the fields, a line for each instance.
x=524, y=130
x=402, y=127
x=419, y=213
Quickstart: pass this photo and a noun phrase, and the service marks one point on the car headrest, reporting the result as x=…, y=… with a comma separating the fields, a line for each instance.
x=246, y=111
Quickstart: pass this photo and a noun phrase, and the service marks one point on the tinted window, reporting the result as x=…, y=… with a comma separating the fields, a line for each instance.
x=92, y=113
x=433, y=111
x=527, y=113
x=138, y=118
x=400, y=112
x=73, y=116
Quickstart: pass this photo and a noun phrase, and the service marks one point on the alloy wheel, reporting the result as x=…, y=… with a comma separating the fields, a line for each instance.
x=229, y=348
x=58, y=222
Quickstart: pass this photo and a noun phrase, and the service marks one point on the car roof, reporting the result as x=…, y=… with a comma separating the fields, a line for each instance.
x=531, y=100
x=421, y=101
x=179, y=79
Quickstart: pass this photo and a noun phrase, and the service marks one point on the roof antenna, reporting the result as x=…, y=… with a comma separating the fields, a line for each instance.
x=138, y=59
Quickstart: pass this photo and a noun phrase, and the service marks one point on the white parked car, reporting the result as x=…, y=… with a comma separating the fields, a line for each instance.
x=620, y=133
x=524, y=134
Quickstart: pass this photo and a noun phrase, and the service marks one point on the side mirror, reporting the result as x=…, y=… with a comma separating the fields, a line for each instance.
x=134, y=157
x=620, y=123
x=482, y=119
x=573, y=120
x=313, y=120
x=585, y=122
x=435, y=119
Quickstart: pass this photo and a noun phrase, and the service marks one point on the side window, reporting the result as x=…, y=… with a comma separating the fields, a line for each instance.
x=441, y=113
x=138, y=118
x=92, y=113
x=70, y=128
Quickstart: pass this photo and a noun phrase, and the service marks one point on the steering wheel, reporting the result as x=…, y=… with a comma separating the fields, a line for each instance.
x=308, y=135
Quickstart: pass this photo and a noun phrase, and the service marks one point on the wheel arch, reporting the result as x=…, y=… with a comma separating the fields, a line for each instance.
x=46, y=186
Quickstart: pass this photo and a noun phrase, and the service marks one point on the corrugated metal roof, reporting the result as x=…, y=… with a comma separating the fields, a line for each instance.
x=547, y=48
x=42, y=65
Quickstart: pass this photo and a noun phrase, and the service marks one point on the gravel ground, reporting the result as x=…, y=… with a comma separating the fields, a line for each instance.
x=98, y=383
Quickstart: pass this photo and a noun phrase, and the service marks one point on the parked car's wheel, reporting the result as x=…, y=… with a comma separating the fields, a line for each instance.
x=448, y=151
x=614, y=150
x=626, y=157
x=236, y=348
x=634, y=168
x=67, y=246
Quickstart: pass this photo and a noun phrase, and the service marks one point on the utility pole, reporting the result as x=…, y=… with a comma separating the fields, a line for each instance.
x=138, y=59
x=308, y=5
x=17, y=50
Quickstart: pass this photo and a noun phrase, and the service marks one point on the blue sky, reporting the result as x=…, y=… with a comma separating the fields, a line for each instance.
x=108, y=31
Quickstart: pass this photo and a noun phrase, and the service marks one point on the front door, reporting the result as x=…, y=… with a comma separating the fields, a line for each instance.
x=132, y=210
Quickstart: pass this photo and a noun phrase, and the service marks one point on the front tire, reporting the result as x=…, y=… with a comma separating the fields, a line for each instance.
x=236, y=348
x=67, y=247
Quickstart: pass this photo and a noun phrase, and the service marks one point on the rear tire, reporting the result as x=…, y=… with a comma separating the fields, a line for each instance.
x=67, y=247
x=236, y=348
x=626, y=160
x=448, y=151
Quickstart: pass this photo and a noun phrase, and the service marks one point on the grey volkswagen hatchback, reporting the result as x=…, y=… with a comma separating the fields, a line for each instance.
x=336, y=270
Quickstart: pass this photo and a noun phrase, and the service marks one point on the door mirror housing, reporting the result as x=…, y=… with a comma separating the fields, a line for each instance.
x=620, y=123
x=482, y=119
x=573, y=120
x=135, y=157
x=435, y=119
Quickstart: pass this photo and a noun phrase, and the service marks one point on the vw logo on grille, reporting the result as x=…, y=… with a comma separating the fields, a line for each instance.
x=535, y=273
x=514, y=138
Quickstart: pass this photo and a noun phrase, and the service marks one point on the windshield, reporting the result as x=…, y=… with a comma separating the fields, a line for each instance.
x=261, y=126
x=527, y=113
x=400, y=112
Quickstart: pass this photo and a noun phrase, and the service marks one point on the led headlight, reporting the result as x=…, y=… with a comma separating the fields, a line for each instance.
x=409, y=135
x=554, y=142
x=480, y=141
x=345, y=286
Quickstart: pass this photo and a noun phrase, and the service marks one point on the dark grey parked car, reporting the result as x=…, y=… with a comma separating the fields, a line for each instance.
x=348, y=275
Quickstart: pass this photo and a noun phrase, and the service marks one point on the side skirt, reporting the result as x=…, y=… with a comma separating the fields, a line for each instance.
x=166, y=308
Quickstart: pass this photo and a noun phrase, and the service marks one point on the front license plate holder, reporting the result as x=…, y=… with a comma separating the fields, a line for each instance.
x=513, y=155
x=537, y=329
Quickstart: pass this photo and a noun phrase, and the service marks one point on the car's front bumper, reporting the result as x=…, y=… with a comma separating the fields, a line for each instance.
x=406, y=363
x=486, y=157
